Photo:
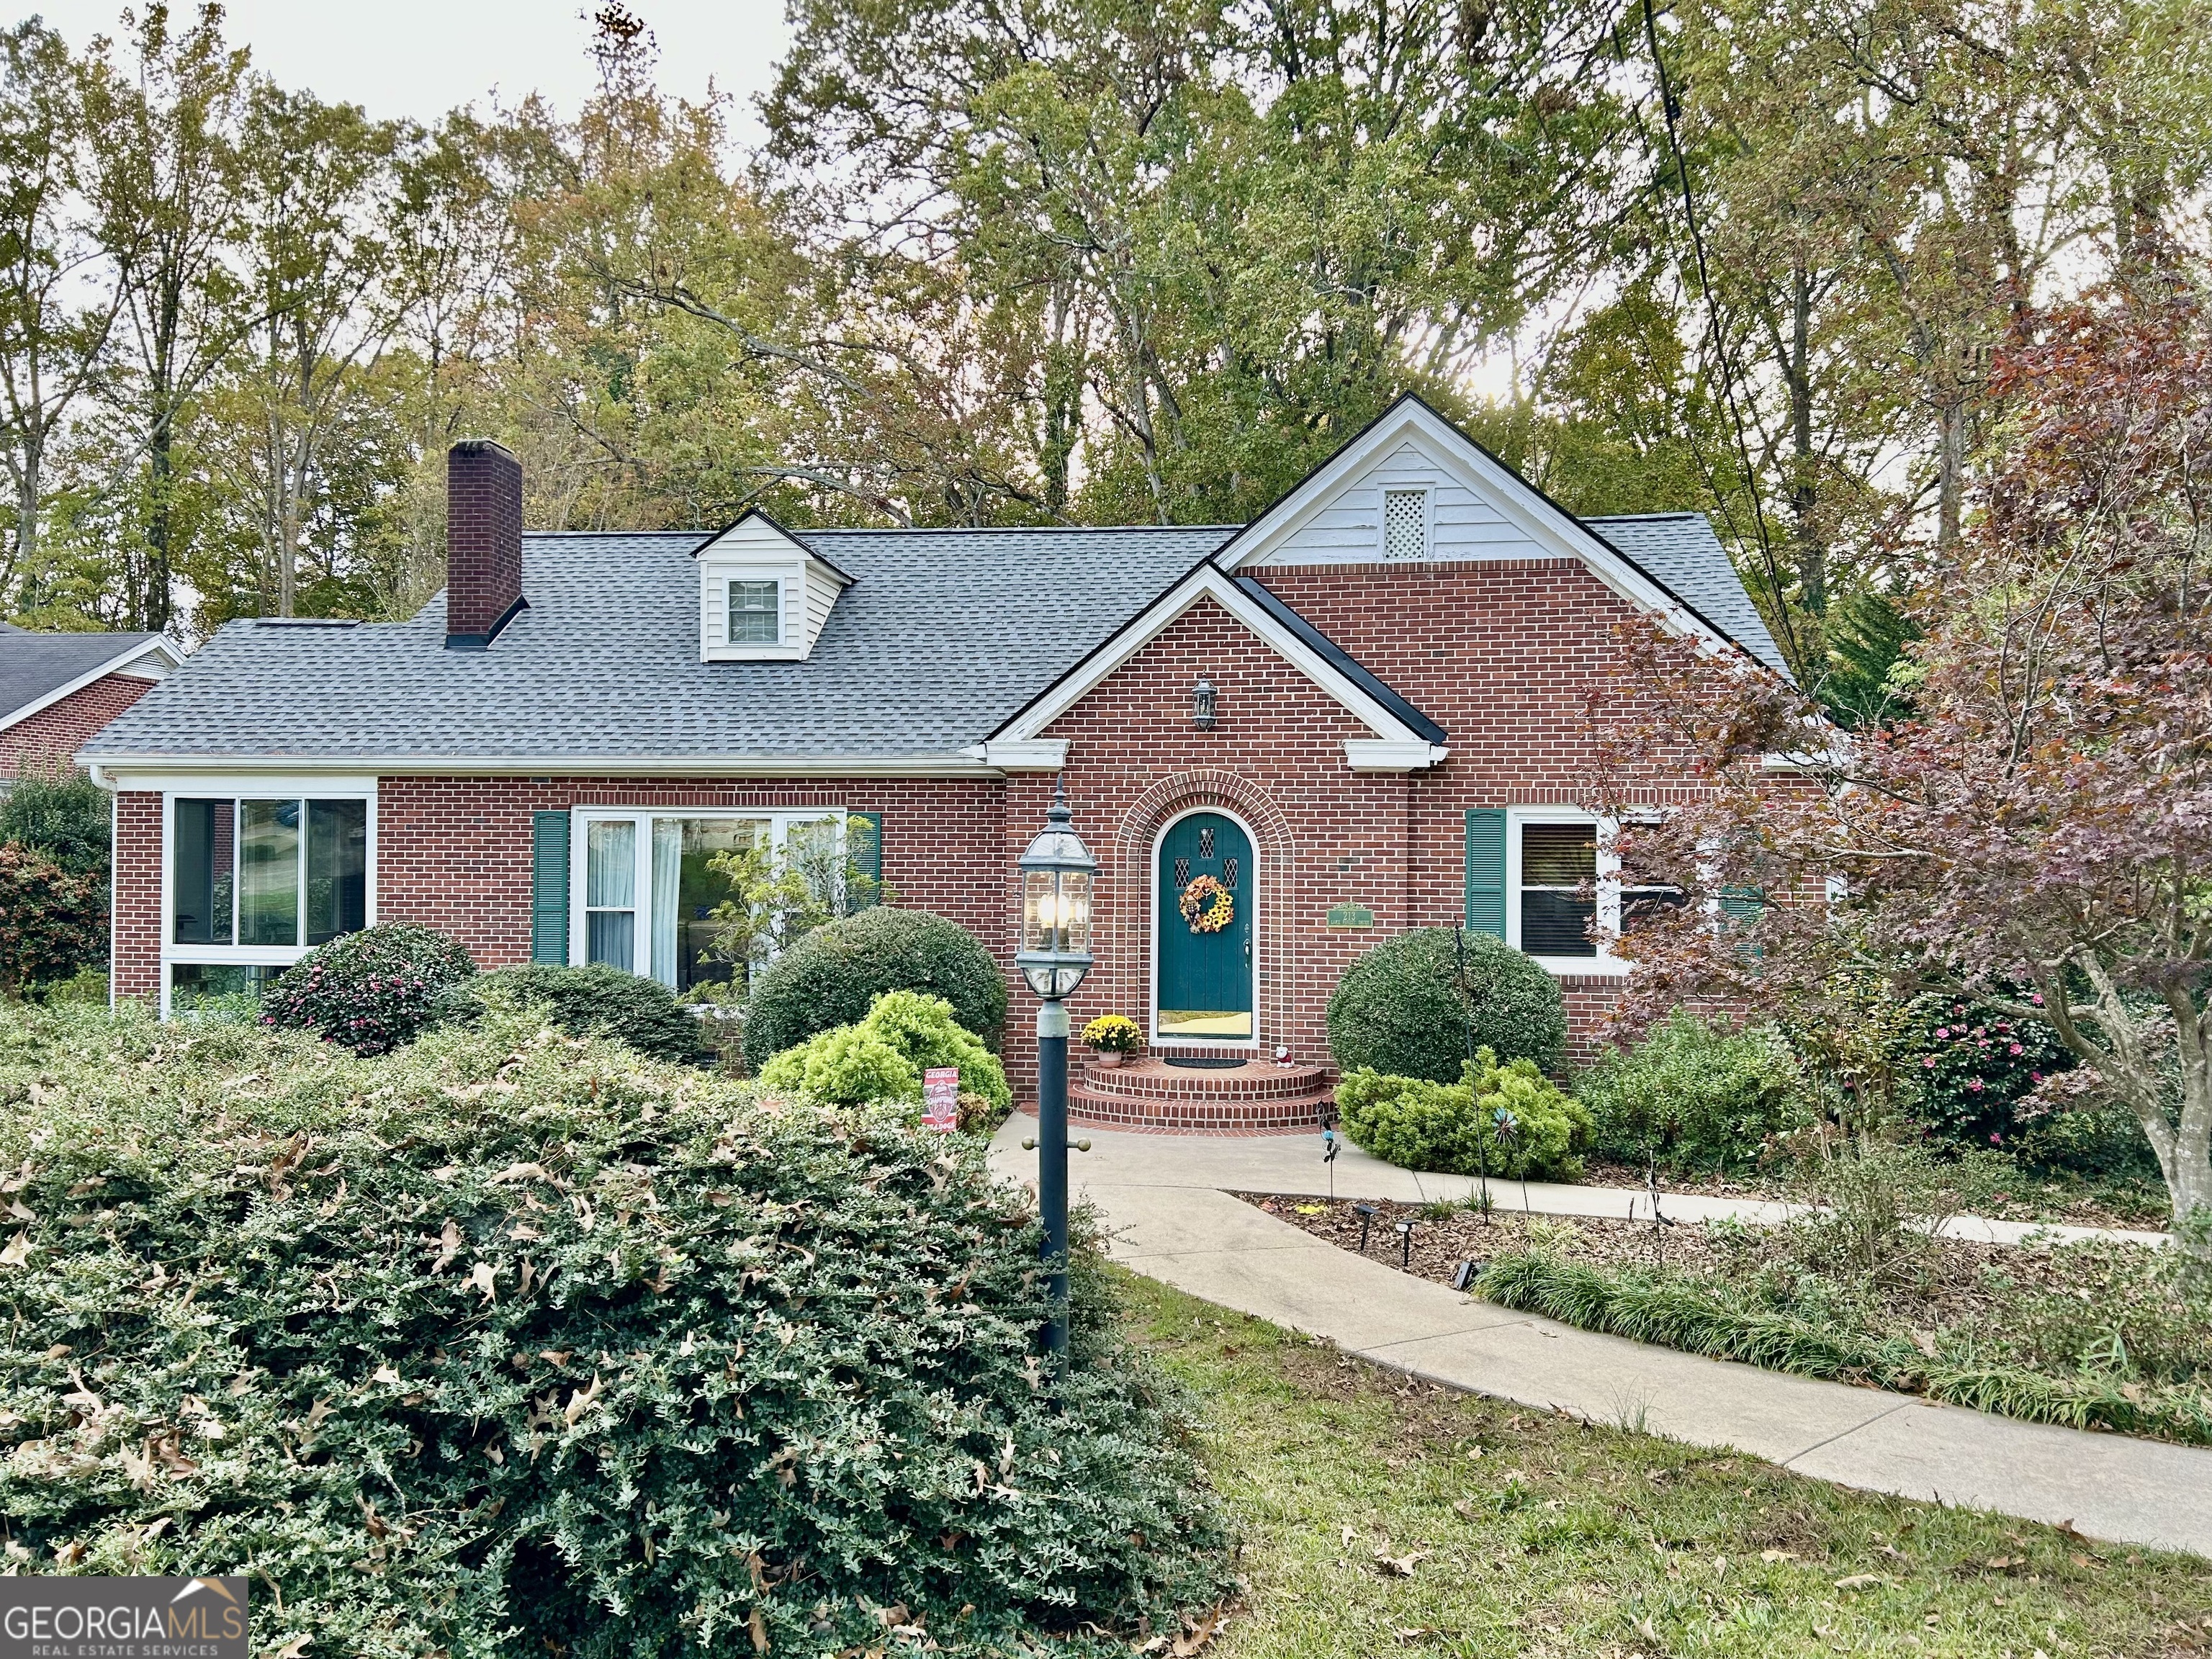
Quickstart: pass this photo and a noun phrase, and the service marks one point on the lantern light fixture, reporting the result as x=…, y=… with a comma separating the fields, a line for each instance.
x=1203, y=699
x=1056, y=876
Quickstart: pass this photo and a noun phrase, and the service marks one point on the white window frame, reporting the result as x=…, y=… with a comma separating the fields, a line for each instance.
x=780, y=820
x=301, y=789
x=1383, y=495
x=1609, y=889
x=715, y=576
x=775, y=587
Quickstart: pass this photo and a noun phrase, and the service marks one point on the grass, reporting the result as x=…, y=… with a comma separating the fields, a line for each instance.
x=1563, y=1539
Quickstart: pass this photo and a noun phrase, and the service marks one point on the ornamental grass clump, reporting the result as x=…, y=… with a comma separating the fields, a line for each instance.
x=512, y=1343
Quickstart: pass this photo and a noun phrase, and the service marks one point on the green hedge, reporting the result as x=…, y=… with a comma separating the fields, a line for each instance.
x=510, y=1343
x=1415, y=1006
x=834, y=976
x=883, y=1057
x=1506, y=1120
x=594, y=1001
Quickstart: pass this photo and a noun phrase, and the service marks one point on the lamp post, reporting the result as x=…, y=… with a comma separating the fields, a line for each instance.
x=1054, y=955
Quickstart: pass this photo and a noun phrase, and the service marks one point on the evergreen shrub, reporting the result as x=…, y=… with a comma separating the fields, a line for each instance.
x=834, y=974
x=371, y=990
x=1406, y=1008
x=883, y=1057
x=53, y=920
x=592, y=1001
x=1509, y=1120
x=1698, y=1092
x=510, y=1343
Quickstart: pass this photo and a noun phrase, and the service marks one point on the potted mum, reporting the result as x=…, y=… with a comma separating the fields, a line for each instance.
x=1113, y=1037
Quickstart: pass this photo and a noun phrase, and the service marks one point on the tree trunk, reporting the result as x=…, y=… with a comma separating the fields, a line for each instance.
x=1950, y=473
x=1812, y=549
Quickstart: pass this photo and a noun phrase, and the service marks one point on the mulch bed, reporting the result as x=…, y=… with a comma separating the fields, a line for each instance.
x=1953, y=1291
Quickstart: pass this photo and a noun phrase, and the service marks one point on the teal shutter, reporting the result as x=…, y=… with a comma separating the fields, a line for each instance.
x=1486, y=870
x=548, y=887
x=1740, y=909
x=864, y=853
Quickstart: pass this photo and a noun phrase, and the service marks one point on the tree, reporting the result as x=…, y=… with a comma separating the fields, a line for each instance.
x=2037, y=834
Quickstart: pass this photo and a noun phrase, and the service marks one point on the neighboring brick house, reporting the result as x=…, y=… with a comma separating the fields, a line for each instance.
x=1365, y=710
x=57, y=690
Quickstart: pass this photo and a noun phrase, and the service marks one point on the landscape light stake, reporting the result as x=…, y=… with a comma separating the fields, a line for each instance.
x=1404, y=1244
x=1366, y=1214
x=1054, y=955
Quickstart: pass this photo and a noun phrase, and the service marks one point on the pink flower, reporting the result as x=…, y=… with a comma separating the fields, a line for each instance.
x=1941, y=1032
x=2014, y=1048
x=2036, y=1076
x=1975, y=1083
x=1930, y=1063
x=1996, y=1139
x=2036, y=997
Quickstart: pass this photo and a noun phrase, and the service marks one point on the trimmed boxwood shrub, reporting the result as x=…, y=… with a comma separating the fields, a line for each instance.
x=1406, y=1006
x=883, y=1057
x=1698, y=1093
x=510, y=1343
x=834, y=975
x=1509, y=1120
x=371, y=990
x=594, y=1001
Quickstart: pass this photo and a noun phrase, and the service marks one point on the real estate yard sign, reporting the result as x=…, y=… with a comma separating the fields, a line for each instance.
x=940, y=1098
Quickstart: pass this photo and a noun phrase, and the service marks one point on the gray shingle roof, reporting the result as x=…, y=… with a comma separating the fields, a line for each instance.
x=942, y=635
x=33, y=665
x=1680, y=552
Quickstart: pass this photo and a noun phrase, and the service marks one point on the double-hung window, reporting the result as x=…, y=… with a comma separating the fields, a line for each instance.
x=254, y=880
x=659, y=893
x=1565, y=900
x=755, y=612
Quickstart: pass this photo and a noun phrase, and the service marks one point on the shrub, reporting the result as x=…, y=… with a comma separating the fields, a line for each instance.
x=883, y=1057
x=594, y=1002
x=1699, y=1094
x=833, y=976
x=510, y=1343
x=1507, y=1120
x=1407, y=1006
x=62, y=813
x=53, y=922
x=371, y=991
x=1974, y=1066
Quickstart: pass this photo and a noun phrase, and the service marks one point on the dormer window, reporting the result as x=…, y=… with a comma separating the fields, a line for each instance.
x=755, y=612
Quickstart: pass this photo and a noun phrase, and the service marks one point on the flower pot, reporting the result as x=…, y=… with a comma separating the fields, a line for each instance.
x=1107, y=1058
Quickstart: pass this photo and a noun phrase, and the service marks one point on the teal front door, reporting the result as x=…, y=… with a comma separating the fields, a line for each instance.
x=1207, y=921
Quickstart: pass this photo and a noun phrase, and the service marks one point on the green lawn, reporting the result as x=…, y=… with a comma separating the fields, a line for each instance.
x=1529, y=1533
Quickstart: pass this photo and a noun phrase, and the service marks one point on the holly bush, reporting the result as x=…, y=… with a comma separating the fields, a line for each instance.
x=511, y=1343
x=371, y=990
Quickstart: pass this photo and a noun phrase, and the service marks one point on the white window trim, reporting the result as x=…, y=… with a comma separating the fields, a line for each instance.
x=715, y=577
x=234, y=788
x=1382, y=494
x=780, y=820
x=1605, y=962
x=777, y=584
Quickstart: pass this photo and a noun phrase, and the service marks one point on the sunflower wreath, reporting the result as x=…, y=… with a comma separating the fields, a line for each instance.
x=1207, y=905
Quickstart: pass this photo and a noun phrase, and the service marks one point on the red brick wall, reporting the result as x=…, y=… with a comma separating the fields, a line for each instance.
x=454, y=853
x=135, y=950
x=60, y=729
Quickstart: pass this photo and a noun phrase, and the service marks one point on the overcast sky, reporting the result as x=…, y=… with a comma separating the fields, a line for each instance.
x=420, y=57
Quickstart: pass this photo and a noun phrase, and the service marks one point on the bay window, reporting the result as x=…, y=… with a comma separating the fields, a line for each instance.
x=665, y=894
x=253, y=880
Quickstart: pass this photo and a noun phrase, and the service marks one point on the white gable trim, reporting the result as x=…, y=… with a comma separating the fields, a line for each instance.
x=1208, y=581
x=1554, y=530
x=150, y=660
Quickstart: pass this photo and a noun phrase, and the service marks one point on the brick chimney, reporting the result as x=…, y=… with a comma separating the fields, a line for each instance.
x=483, y=543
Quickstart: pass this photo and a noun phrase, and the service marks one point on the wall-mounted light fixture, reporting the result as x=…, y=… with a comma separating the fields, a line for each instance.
x=1202, y=699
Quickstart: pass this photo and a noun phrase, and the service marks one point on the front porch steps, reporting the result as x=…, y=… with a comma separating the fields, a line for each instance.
x=1256, y=1097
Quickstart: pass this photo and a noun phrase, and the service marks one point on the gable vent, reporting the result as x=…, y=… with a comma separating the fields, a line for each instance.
x=1405, y=524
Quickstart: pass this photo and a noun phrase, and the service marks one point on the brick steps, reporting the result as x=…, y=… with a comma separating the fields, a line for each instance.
x=1254, y=1097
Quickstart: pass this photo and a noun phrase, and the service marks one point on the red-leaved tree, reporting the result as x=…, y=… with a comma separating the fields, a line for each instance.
x=2039, y=834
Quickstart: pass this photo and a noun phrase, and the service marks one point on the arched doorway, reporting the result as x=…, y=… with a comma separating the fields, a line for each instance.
x=1204, y=929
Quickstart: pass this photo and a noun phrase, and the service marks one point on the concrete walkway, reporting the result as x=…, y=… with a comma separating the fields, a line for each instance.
x=1165, y=1199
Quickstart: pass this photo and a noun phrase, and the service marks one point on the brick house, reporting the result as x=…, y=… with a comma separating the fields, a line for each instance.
x=57, y=690
x=1364, y=711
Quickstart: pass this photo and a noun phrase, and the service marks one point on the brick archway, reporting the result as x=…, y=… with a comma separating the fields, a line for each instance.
x=1195, y=791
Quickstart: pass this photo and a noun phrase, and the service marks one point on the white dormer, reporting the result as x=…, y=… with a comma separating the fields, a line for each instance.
x=764, y=594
